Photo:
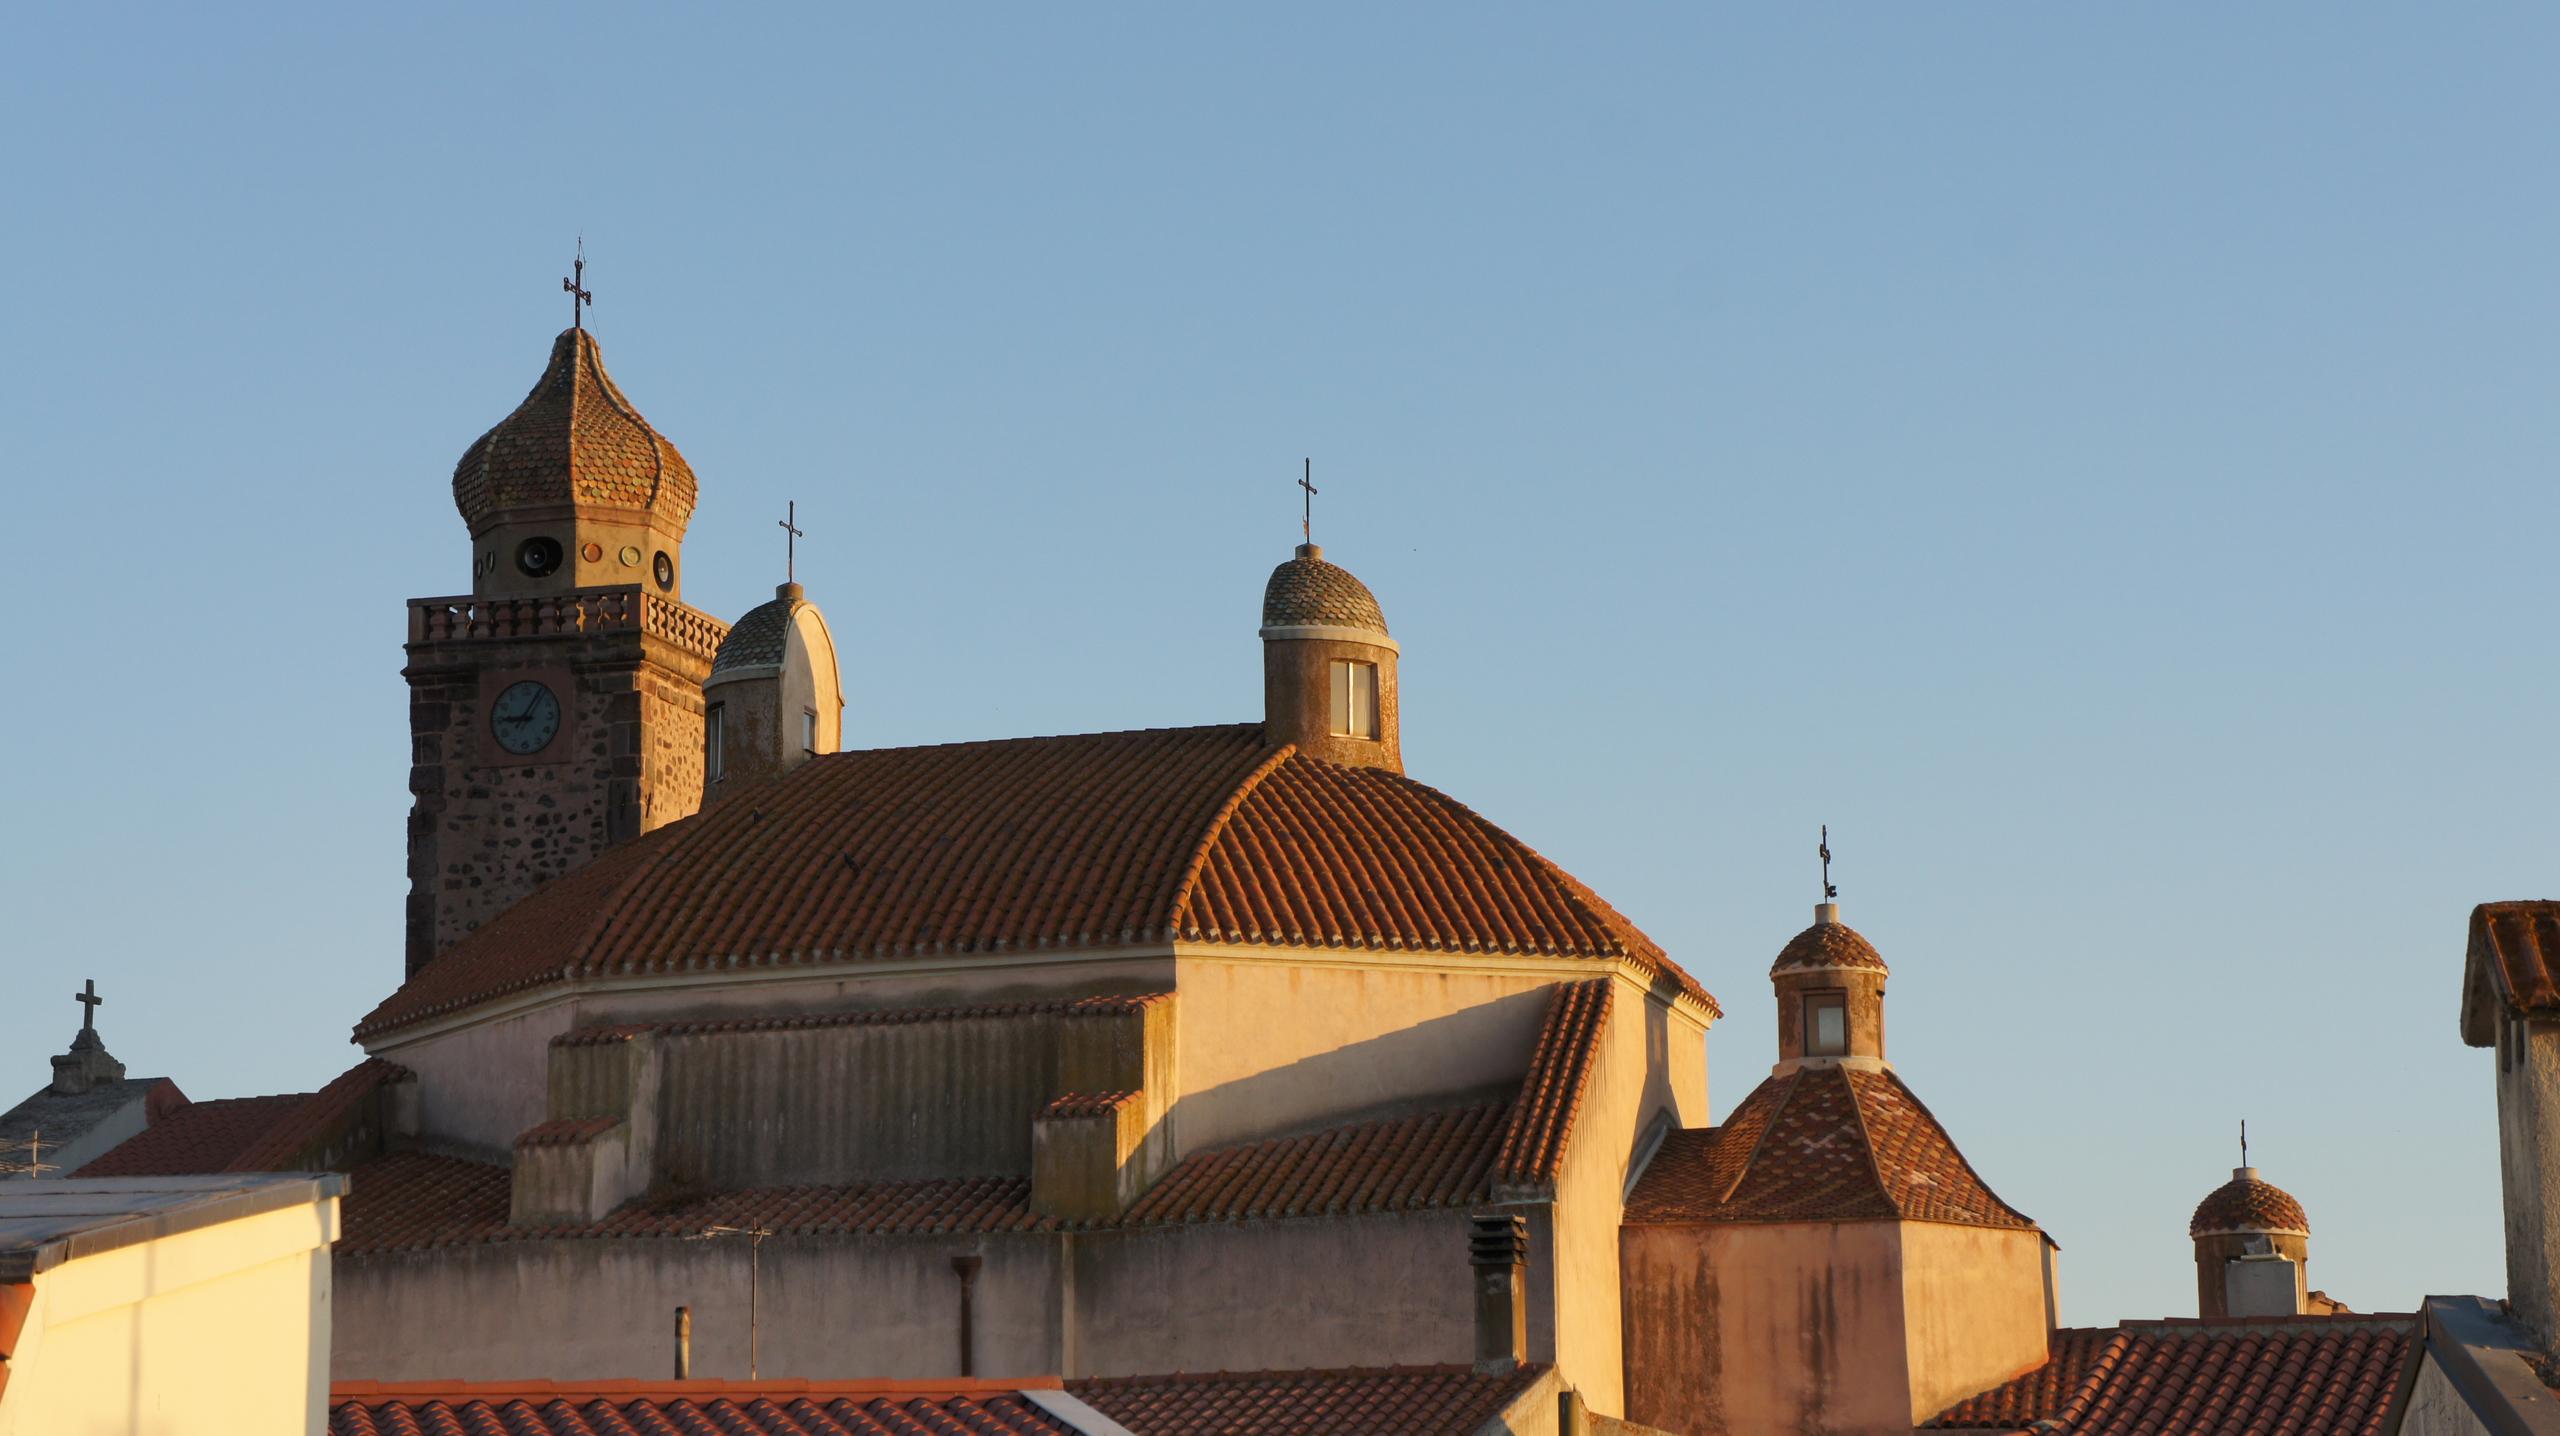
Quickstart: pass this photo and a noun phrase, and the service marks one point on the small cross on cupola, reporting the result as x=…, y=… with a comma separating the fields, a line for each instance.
x=89, y=1001
x=87, y=1064
x=581, y=299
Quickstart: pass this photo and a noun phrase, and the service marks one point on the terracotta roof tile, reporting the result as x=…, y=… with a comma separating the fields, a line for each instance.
x=1428, y=1160
x=574, y=439
x=2247, y=1204
x=737, y=1408
x=1193, y=834
x=2513, y=959
x=319, y=1117
x=1405, y=1400
x=1100, y=1005
x=1819, y=1144
x=1534, y=1140
x=201, y=1137
x=1827, y=944
x=1088, y=1104
x=2304, y=1376
x=1307, y=590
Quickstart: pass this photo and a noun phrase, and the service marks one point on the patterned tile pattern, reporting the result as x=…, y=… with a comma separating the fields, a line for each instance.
x=2247, y=1204
x=2302, y=1376
x=574, y=439
x=1827, y=944
x=759, y=637
x=1404, y=1400
x=1308, y=590
x=1198, y=834
x=1541, y=1124
x=766, y=1408
x=1820, y=1144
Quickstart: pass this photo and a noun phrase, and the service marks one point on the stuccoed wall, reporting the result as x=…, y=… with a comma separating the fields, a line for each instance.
x=222, y=1331
x=1233, y=1296
x=2529, y=1166
x=1974, y=1305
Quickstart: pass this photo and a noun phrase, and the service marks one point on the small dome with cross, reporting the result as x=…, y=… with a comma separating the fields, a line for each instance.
x=1309, y=592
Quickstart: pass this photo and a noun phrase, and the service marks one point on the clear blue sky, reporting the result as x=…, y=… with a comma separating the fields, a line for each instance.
x=2093, y=458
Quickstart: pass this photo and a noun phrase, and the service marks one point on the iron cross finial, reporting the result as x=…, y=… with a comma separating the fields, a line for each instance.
x=2244, y=1141
x=791, y=536
x=580, y=300
x=1829, y=890
x=88, y=999
x=1307, y=515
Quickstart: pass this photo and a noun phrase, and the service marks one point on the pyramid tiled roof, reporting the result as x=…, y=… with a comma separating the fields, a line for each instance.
x=2303, y=1375
x=1197, y=835
x=1819, y=1144
x=574, y=440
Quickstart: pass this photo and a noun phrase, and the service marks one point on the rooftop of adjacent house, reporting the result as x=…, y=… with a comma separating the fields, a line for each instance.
x=2304, y=1375
x=43, y=1224
x=1196, y=835
x=1407, y=1400
x=51, y=1120
x=1819, y=1144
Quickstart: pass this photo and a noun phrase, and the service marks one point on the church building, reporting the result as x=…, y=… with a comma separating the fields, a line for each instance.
x=1060, y=1069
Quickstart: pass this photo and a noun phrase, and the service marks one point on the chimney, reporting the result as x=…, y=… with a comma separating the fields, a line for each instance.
x=1498, y=1248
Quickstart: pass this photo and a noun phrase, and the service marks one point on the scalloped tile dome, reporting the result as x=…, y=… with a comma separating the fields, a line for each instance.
x=1827, y=944
x=1309, y=591
x=574, y=440
x=2247, y=1204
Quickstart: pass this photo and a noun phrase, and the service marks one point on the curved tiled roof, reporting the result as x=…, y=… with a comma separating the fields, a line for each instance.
x=1308, y=590
x=759, y=637
x=1819, y=1144
x=2303, y=1375
x=574, y=440
x=2246, y=1204
x=1827, y=944
x=1533, y=1144
x=1185, y=834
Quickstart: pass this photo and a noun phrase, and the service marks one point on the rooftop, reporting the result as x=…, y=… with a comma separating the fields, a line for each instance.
x=1199, y=835
x=2247, y=1204
x=1307, y=592
x=43, y=1224
x=1819, y=1144
x=574, y=440
x=2303, y=1375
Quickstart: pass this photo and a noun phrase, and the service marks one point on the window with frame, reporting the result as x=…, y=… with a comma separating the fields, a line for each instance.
x=1826, y=1023
x=712, y=742
x=809, y=729
x=1355, y=699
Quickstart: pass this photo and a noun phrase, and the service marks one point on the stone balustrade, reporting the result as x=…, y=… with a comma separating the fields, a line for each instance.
x=622, y=608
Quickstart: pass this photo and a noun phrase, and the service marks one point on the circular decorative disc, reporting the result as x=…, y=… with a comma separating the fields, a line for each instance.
x=630, y=555
x=592, y=553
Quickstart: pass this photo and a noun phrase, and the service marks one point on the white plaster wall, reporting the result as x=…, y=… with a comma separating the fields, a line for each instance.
x=1975, y=1315
x=2436, y=1407
x=222, y=1331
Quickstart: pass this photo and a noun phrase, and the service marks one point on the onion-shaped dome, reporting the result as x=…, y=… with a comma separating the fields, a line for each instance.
x=1828, y=943
x=1307, y=592
x=2246, y=1204
x=575, y=440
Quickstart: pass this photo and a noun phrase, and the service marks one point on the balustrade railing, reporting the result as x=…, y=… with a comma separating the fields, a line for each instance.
x=591, y=610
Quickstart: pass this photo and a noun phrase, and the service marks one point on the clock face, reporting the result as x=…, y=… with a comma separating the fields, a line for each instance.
x=525, y=718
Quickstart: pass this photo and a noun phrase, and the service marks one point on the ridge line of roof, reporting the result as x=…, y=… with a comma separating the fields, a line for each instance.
x=589, y=352
x=1189, y=886
x=1742, y=1169
x=1970, y=1170
x=1867, y=1144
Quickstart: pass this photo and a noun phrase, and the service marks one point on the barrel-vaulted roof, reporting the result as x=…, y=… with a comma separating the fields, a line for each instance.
x=574, y=440
x=1819, y=1144
x=1196, y=835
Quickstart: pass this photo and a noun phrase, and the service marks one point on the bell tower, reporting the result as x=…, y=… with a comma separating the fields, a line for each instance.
x=556, y=709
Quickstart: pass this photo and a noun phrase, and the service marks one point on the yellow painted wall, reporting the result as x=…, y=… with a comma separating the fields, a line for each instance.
x=221, y=1331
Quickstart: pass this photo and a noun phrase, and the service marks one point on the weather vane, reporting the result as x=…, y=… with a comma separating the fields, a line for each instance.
x=580, y=300
x=1829, y=891
x=1307, y=515
x=791, y=536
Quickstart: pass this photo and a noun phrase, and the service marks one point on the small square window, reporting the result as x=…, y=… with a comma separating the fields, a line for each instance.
x=711, y=743
x=1355, y=699
x=1826, y=1024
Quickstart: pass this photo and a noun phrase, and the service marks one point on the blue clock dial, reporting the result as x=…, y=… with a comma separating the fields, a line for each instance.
x=525, y=718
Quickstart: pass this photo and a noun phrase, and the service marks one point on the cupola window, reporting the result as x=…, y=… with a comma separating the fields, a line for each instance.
x=809, y=730
x=712, y=723
x=1355, y=699
x=1826, y=1023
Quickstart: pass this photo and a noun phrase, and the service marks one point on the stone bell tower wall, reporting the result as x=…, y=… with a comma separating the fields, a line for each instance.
x=487, y=827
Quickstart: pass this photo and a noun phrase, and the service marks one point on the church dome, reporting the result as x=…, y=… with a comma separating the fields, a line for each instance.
x=761, y=636
x=1307, y=592
x=575, y=440
x=1828, y=943
x=2246, y=1204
